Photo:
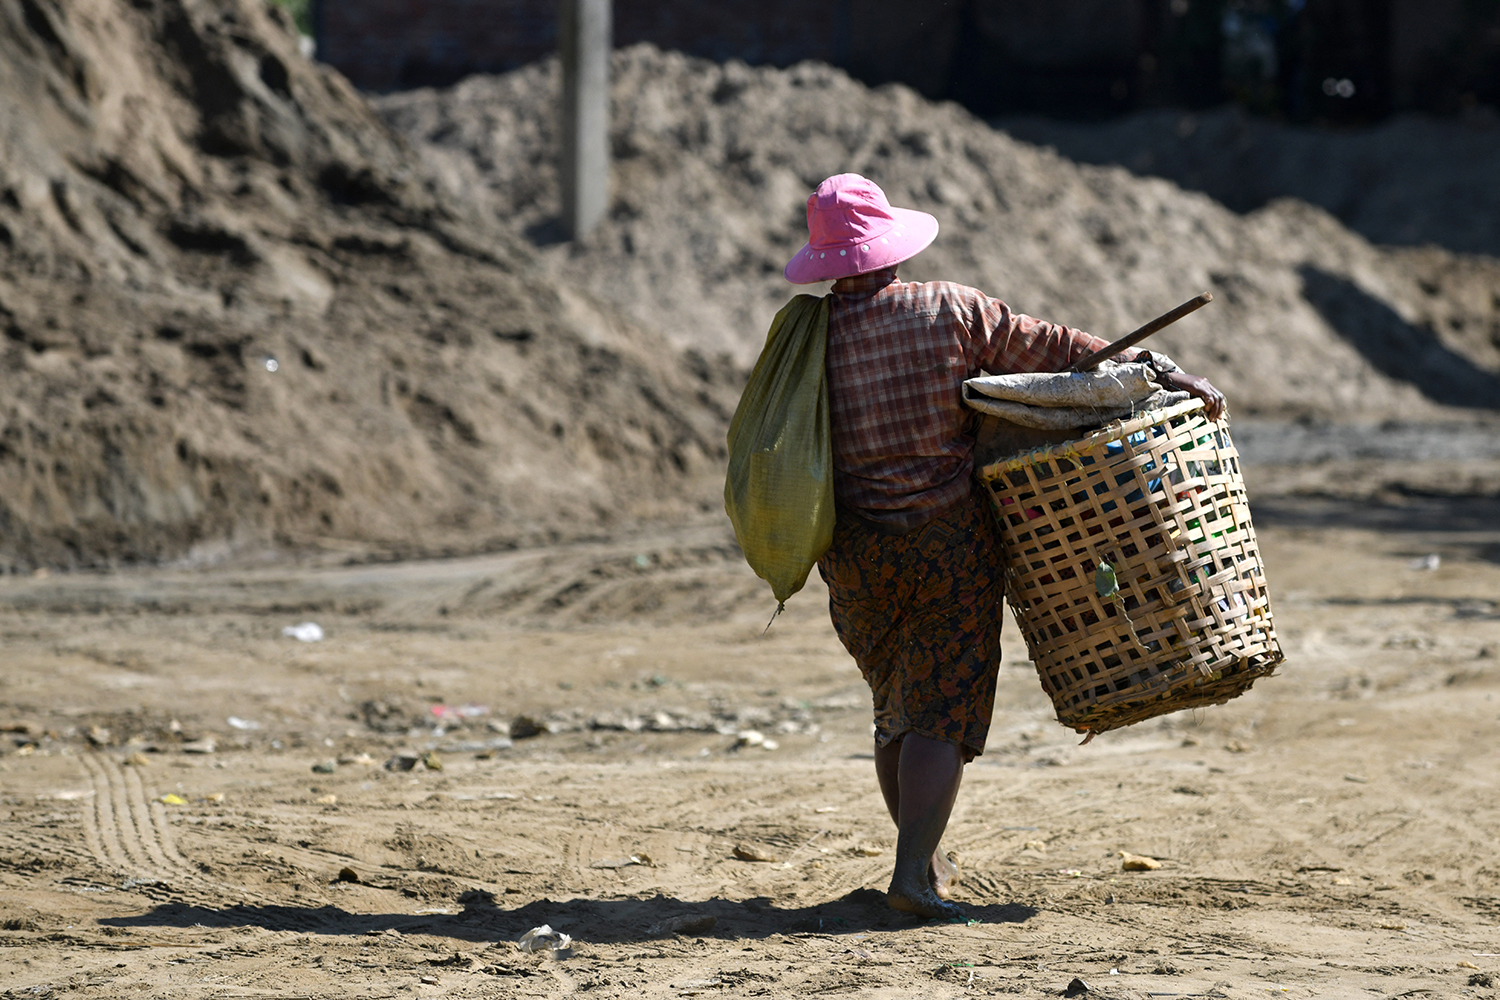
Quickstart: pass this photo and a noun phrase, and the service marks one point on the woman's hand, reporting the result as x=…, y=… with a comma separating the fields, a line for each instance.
x=1213, y=399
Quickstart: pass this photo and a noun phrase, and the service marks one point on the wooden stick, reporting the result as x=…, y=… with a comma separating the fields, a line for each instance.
x=1166, y=319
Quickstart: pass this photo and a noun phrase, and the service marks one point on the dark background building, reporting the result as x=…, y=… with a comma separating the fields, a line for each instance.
x=1304, y=60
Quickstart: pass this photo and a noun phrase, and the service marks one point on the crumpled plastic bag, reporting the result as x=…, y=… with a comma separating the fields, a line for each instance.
x=306, y=632
x=779, y=490
x=544, y=938
x=1064, y=400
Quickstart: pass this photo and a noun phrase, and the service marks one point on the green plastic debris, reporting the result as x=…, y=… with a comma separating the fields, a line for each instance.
x=1108, y=586
x=779, y=491
x=1105, y=582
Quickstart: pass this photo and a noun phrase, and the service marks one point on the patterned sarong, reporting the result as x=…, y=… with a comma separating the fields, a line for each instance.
x=920, y=614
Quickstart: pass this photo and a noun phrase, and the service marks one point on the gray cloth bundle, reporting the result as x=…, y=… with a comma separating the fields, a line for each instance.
x=1064, y=400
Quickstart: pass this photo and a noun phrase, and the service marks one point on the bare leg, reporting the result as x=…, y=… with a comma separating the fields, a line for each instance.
x=928, y=773
x=942, y=873
x=887, y=772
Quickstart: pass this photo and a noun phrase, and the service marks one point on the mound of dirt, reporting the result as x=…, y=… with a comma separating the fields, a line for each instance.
x=240, y=313
x=236, y=317
x=713, y=163
x=1409, y=181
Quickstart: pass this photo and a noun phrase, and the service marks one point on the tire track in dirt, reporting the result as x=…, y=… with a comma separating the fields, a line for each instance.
x=125, y=819
x=93, y=838
x=130, y=833
x=149, y=825
x=976, y=886
x=24, y=849
x=873, y=875
x=100, y=827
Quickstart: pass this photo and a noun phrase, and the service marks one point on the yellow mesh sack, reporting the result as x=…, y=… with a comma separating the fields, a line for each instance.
x=779, y=491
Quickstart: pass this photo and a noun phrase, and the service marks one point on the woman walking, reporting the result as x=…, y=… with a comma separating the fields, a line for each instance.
x=914, y=574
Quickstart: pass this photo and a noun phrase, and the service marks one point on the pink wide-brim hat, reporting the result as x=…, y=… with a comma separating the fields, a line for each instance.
x=853, y=230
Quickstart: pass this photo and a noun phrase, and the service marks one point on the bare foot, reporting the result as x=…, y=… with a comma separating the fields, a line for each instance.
x=924, y=903
x=944, y=874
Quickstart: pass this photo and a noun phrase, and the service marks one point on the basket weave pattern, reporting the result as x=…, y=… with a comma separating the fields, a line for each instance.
x=1158, y=498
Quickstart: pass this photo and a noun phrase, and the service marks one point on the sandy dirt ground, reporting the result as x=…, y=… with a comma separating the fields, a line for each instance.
x=240, y=315
x=196, y=805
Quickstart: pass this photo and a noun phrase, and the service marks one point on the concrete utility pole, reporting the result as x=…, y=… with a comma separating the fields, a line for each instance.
x=583, y=38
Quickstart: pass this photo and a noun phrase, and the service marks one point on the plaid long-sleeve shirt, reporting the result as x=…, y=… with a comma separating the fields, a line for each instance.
x=898, y=354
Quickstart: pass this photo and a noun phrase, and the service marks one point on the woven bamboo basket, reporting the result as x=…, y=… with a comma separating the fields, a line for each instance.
x=1159, y=500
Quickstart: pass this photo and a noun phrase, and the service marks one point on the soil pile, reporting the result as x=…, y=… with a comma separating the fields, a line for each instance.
x=235, y=316
x=713, y=164
x=1409, y=181
x=239, y=312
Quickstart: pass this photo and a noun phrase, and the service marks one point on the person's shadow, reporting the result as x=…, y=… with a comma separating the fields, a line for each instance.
x=597, y=921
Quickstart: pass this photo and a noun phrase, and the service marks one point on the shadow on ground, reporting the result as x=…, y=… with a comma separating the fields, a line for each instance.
x=1396, y=348
x=1409, y=182
x=1478, y=608
x=592, y=920
x=1414, y=513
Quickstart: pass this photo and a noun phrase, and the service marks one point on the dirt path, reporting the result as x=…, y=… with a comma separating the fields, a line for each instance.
x=1332, y=833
